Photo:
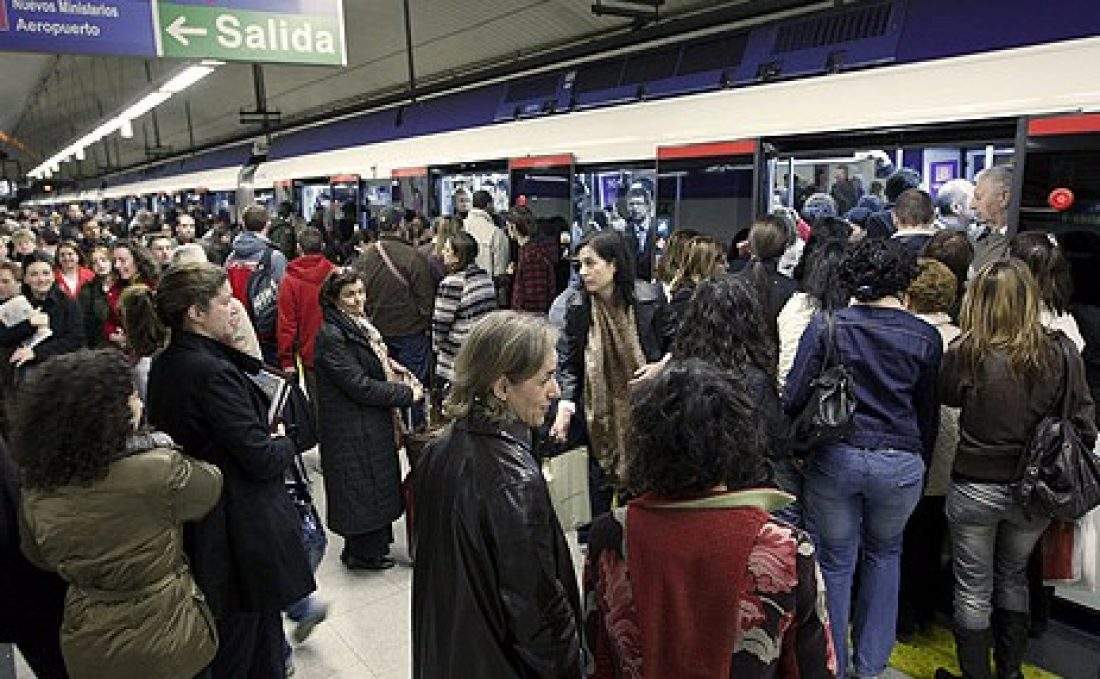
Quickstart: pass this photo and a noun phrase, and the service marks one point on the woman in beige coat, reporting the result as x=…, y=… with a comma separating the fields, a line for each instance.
x=103, y=505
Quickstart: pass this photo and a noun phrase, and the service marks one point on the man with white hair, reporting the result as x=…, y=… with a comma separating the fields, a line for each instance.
x=992, y=196
x=953, y=202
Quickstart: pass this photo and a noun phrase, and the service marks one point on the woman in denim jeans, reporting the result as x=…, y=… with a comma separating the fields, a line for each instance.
x=860, y=492
x=1006, y=372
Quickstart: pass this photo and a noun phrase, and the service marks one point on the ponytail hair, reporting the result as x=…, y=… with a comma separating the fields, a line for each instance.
x=144, y=330
x=148, y=316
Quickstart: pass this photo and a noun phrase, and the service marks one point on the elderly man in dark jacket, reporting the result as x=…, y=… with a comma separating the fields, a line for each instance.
x=33, y=599
x=247, y=554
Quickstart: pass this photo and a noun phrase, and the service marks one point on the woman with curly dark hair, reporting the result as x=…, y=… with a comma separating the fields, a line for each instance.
x=247, y=554
x=860, y=492
x=103, y=504
x=64, y=321
x=694, y=577
x=132, y=264
x=725, y=326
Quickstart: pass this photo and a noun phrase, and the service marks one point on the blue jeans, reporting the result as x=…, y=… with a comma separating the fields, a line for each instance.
x=414, y=352
x=991, y=540
x=856, y=503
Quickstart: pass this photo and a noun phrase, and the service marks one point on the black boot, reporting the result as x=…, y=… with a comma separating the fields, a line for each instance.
x=1010, y=630
x=972, y=648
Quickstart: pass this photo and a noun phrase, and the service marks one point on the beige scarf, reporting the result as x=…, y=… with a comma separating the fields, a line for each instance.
x=378, y=346
x=611, y=358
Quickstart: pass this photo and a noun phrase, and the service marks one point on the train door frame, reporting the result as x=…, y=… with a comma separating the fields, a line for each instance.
x=550, y=165
x=356, y=182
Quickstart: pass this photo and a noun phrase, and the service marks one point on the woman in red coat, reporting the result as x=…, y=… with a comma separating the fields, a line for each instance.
x=535, y=284
x=70, y=272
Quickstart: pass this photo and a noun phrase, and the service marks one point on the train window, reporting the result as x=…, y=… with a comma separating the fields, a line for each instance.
x=712, y=196
x=613, y=197
x=446, y=184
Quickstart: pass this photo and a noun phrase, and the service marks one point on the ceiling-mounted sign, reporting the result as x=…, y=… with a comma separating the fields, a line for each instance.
x=277, y=31
x=281, y=31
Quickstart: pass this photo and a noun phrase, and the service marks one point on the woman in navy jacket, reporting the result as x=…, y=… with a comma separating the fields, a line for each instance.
x=860, y=492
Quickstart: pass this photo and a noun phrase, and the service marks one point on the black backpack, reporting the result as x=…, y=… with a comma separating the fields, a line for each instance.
x=827, y=416
x=263, y=296
x=1060, y=475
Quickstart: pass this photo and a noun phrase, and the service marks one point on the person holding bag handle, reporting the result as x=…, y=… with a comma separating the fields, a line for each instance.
x=1006, y=373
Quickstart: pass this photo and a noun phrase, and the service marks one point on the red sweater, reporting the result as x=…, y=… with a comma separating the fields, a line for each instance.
x=300, y=315
x=535, y=284
x=83, y=275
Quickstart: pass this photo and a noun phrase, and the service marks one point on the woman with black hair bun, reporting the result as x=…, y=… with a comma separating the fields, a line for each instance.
x=1047, y=261
x=860, y=492
x=617, y=331
x=104, y=504
x=819, y=288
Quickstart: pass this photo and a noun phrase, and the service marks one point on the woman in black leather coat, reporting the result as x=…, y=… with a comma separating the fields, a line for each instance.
x=494, y=592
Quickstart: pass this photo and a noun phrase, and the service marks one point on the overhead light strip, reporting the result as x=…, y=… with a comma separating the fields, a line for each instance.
x=123, y=121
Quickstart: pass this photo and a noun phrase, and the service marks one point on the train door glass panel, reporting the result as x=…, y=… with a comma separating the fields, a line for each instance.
x=313, y=196
x=600, y=198
x=410, y=191
x=345, y=197
x=711, y=195
x=1054, y=165
x=265, y=198
x=446, y=181
x=856, y=179
x=377, y=196
x=547, y=191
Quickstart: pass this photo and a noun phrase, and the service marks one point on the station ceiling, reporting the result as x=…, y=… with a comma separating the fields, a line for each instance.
x=48, y=101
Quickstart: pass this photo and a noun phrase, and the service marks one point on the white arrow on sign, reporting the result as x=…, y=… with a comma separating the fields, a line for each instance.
x=180, y=32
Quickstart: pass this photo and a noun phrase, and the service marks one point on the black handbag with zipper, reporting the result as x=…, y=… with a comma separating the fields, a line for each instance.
x=1060, y=475
x=827, y=416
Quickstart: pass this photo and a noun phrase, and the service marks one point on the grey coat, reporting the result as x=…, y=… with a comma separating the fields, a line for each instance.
x=358, y=454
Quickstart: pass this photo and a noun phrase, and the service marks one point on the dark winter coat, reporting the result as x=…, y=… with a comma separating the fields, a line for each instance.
x=66, y=323
x=38, y=595
x=247, y=554
x=96, y=311
x=494, y=591
x=358, y=454
x=655, y=319
x=132, y=607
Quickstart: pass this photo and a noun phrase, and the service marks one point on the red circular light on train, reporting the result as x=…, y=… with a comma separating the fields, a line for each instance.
x=1061, y=199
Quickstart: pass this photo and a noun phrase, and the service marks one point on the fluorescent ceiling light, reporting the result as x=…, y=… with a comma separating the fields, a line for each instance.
x=186, y=78
x=122, y=122
x=146, y=104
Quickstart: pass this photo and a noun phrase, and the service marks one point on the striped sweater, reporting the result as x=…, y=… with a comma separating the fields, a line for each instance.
x=463, y=298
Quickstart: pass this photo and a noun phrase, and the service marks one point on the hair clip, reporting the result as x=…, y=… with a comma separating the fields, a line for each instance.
x=1052, y=239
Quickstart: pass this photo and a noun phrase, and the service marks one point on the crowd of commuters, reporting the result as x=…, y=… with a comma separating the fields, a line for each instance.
x=149, y=478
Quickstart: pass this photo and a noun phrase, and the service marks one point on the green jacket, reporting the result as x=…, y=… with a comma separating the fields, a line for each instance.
x=132, y=609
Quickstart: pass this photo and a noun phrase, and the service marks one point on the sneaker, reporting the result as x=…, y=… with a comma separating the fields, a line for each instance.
x=354, y=563
x=304, y=628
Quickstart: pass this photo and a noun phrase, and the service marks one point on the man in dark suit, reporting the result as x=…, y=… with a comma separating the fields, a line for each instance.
x=641, y=229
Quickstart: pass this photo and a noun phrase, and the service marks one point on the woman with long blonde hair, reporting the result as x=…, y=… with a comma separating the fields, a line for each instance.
x=1006, y=372
x=703, y=259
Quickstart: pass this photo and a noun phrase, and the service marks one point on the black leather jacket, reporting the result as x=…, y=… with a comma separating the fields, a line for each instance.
x=655, y=319
x=494, y=591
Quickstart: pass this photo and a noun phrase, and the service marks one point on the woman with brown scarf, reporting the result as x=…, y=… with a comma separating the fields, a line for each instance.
x=617, y=331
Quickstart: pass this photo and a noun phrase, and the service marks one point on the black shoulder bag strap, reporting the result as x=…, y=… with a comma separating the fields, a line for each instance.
x=830, y=341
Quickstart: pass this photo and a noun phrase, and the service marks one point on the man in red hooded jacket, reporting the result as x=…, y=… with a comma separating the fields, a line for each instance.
x=300, y=315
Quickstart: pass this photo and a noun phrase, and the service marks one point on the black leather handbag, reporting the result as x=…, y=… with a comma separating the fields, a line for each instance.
x=1060, y=475
x=827, y=416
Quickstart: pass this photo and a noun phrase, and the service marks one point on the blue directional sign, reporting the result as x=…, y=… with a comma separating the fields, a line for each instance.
x=286, y=31
x=78, y=27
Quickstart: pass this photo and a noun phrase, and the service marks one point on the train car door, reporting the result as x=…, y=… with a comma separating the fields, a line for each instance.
x=709, y=187
x=545, y=185
x=410, y=189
